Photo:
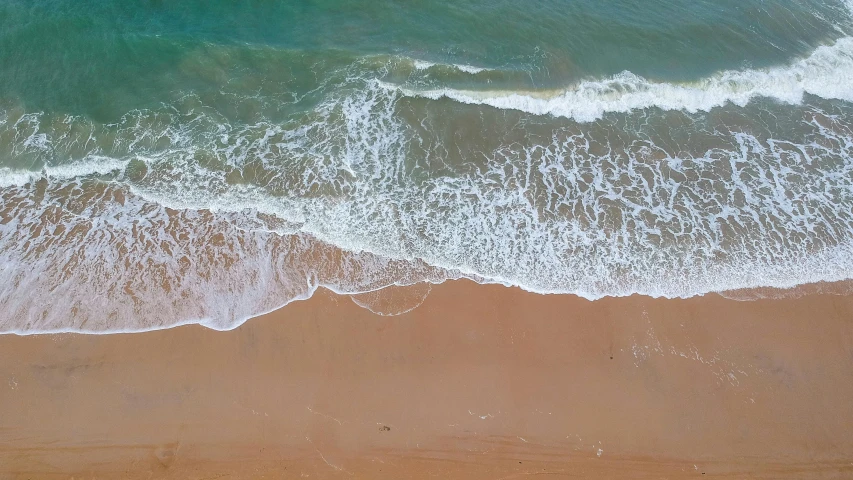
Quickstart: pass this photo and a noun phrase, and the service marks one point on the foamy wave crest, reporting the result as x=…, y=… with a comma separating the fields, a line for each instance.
x=91, y=165
x=825, y=73
x=424, y=65
x=17, y=177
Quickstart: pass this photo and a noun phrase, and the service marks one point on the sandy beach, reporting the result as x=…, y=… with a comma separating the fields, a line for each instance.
x=478, y=382
x=426, y=240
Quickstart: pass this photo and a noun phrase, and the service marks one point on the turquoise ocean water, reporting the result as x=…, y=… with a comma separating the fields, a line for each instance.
x=175, y=161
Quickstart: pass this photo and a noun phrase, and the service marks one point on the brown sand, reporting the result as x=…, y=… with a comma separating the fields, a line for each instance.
x=479, y=382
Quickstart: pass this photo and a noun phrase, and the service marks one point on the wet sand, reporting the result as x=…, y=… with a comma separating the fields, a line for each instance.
x=478, y=382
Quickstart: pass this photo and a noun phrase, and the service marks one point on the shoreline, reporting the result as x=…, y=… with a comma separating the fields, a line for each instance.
x=473, y=381
x=835, y=288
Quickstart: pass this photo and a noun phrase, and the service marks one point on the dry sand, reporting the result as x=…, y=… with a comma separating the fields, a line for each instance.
x=479, y=382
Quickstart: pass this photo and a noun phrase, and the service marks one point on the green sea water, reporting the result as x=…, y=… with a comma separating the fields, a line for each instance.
x=104, y=58
x=168, y=161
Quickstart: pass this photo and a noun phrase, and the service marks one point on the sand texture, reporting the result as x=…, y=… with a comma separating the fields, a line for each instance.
x=478, y=382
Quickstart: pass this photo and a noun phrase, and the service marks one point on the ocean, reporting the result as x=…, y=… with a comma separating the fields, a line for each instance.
x=166, y=162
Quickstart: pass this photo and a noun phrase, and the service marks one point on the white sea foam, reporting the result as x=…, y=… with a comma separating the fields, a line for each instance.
x=424, y=65
x=827, y=73
x=91, y=165
x=16, y=177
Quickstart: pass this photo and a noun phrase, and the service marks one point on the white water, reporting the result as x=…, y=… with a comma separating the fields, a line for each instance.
x=827, y=73
x=424, y=65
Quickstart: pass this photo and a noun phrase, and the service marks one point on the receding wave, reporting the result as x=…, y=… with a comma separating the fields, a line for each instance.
x=825, y=73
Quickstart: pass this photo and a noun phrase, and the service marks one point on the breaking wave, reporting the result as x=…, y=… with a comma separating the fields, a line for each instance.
x=825, y=73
